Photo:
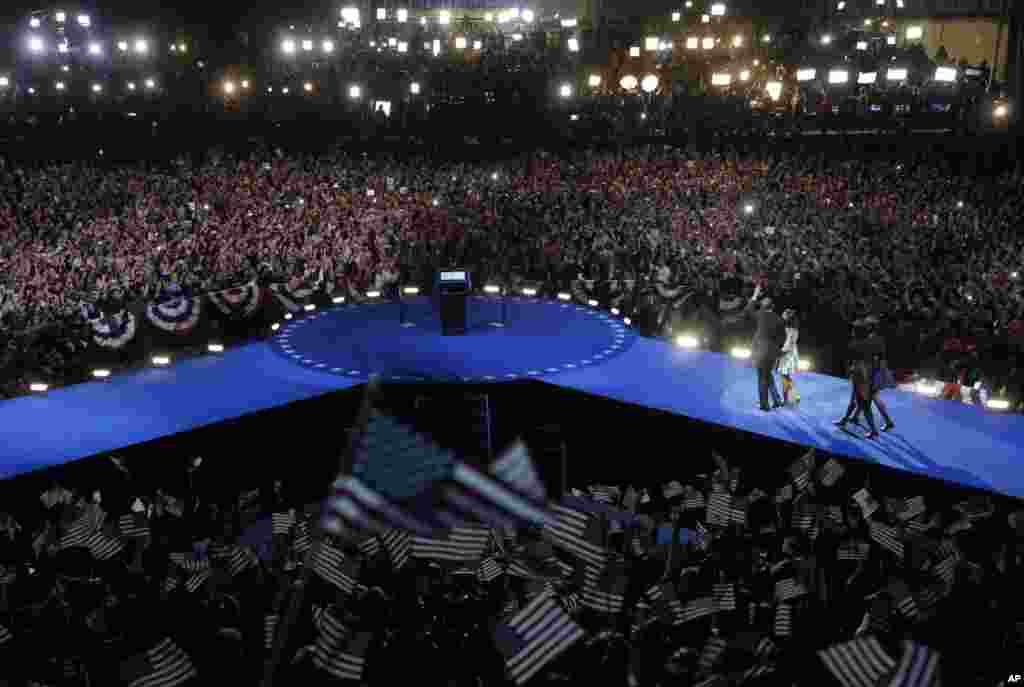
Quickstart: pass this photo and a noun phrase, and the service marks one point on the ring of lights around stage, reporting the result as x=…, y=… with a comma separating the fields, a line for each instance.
x=540, y=338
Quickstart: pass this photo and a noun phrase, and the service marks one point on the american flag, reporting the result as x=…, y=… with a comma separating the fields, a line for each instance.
x=805, y=518
x=494, y=500
x=301, y=540
x=861, y=662
x=398, y=544
x=577, y=533
x=784, y=494
x=604, y=590
x=919, y=667
x=868, y=504
x=693, y=499
x=135, y=525
x=370, y=546
x=460, y=544
x=5, y=635
x=725, y=596
x=752, y=672
x=489, y=570
x=712, y=653
x=103, y=547
x=270, y=622
x=165, y=665
x=738, y=511
x=534, y=637
x=876, y=618
x=281, y=523
x=830, y=472
x=344, y=658
x=783, y=620
x=78, y=532
x=719, y=508
x=697, y=608
x=976, y=508
x=604, y=494
x=905, y=602
x=360, y=507
x=886, y=537
x=945, y=570
x=788, y=589
x=910, y=508
x=334, y=567
x=235, y=559
x=189, y=563
x=853, y=551
x=197, y=579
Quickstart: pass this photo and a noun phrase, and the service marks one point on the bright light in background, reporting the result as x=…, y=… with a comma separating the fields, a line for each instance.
x=529, y=292
x=84, y=21
x=62, y=48
x=436, y=48
x=928, y=388
x=517, y=37
x=274, y=327
x=766, y=38
x=914, y=33
x=478, y=45
x=445, y=18
x=31, y=91
x=569, y=23
x=651, y=43
x=806, y=74
x=692, y=43
x=382, y=13
x=61, y=17
x=574, y=45
x=721, y=79
x=34, y=22
x=592, y=303
x=649, y=83
x=945, y=74
x=95, y=49
x=492, y=289
x=826, y=39
x=229, y=87
x=141, y=46
x=563, y=296
x=740, y=352
x=355, y=92
x=215, y=348
x=737, y=41
x=328, y=46
x=867, y=78
x=708, y=43
x=862, y=45
x=841, y=5
x=460, y=42
x=676, y=16
x=634, y=51
x=96, y=88
x=744, y=75
x=838, y=76
x=288, y=46
x=38, y=387
x=565, y=90
x=748, y=208
x=594, y=80
x=350, y=15
x=307, y=45
x=527, y=16
x=131, y=85
x=1000, y=111
x=245, y=84
x=629, y=82
x=774, y=89
x=414, y=88
x=890, y=40
x=705, y=19
x=402, y=15
x=287, y=316
x=122, y=46
x=101, y=373
x=161, y=360
x=998, y=404
x=687, y=341
x=805, y=365
x=59, y=85
x=718, y=9
x=182, y=47
x=373, y=294
x=4, y=82
x=36, y=44
x=403, y=47
x=411, y=290
x=898, y=74
x=307, y=87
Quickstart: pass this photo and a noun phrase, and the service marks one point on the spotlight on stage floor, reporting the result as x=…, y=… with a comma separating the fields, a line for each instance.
x=592, y=303
x=805, y=365
x=215, y=348
x=740, y=352
x=373, y=294
x=529, y=292
x=161, y=360
x=563, y=296
x=100, y=374
x=274, y=327
x=309, y=307
x=687, y=341
x=495, y=290
x=998, y=404
x=338, y=300
x=615, y=311
x=406, y=291
x=38, y=387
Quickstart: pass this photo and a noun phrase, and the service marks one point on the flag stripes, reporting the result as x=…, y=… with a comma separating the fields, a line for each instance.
x=169, y=666
x=783, y=620
x=719, y=508
x=281, y=523
x=725, y=597
x=919, y=667
x=335, y=568
x=103, y=547
x=788, y=589
x=858, y=663
x=535, y=636
x=398, y=544
x=568, y=529
x=886, y=537
x=460, y=544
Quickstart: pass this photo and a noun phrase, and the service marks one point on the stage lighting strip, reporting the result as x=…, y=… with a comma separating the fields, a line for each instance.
x=617, y=327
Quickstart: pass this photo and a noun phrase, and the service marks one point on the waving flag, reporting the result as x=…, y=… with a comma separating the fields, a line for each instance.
x=165, y=665
x=345, y=659
x=511, y=495
x=919, y=667
x=115, y=331
x=534, y=637
x=239, y=303
x=177, y=315
x=334, y=567
x=858, y=663
x=460, y=544
x=577, y=533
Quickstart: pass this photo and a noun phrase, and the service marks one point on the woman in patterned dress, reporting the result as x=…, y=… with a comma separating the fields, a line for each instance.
x=789, y=362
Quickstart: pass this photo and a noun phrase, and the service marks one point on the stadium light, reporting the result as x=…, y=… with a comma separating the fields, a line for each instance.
x=687, y=341
x=444, y=18
x=740, y=353
x=837, y=77
x=594, y=80
x=61, y=16
x=131, y=85
x=692, y=43
x=36, y=44
x=38, y=387
x=718, y=9
x=563, y=296
x=867, y=78
x=914, y=33
x=84, y=21
x=101, y=373
x=355, y=92
x=708, y=43
x=402, y=15
x=460, y=42
x=328, y=47
x=565, y=90
x=945, y=74
x=414, y=88
x=308, y=87
x=826, y=39
x=288, y=46
x=141, y=46
x=774, y=89
x=529, y=292
x=804, y=75
x=97, y=88
x=161, y=360
x=629, y=82
x=95, y=49
x=122, y=46
x=721, y=79
x=309, y=307
x=896, y=74
x=574, y=45
x=307, y=45
x=215, y=348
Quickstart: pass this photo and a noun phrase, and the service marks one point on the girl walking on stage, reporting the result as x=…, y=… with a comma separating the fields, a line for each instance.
x=789, y=363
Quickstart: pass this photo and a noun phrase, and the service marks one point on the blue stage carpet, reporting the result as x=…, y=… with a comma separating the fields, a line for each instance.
x=944, y=440
x=541, y=338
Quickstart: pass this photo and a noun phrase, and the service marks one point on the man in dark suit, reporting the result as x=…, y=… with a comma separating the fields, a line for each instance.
x=766, y=348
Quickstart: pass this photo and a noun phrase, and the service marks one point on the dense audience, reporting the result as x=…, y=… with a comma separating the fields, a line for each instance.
x=914, y=242
x=719, y=576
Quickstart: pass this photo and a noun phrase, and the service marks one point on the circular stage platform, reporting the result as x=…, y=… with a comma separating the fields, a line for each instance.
x=540, y=338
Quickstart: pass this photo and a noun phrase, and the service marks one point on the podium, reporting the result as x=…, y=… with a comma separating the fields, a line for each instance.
x=453, y=287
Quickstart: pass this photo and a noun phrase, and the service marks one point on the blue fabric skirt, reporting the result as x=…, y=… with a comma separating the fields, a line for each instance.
x=789, y=363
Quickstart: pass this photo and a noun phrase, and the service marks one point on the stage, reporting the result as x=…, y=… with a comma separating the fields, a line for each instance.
x=557, y=343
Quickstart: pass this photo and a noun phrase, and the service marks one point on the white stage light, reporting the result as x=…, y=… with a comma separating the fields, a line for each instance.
x=274, y=327
x=998, y=404
x=307, y=87
x=594, y=81
x=563, y=296
x=806, y=74
x=745, y=75
x=634, y=51
x=101, y=373
x=122, y=46
x=890, y=40
x=692, y=43
x=411, y=290
x=945, y=74
x=914, y=33
x=288, y=46
x=718, y=9
x=402, y=15
x=229, y=87
x=287, y=316
x=826, y=40
x=414, y=88
x=215, y=348
x=84, y=21
x=31, y=91
x=527, y=16
x=38, y=387
x=687, y=341
x=774, y=89
x=403, y=47
x=862, y=45
x=59, y=85
x=245, y=84
x=740, y=352
x=767, y=38
x=898, y=74
x=285, y=90
x=309, y=307
x=161, y=360
x=328, y=46
x=460, y=42
x=708, y=43
x=649, y=84
x=627, y=321
x=838, y=77
x=737, y=41
x=36, y=44
x=382, y=13
x=97, y=88
x=307, y=45
x=805, y=365
x=676, y=16
x=492, y=289
x=867, y=78
x=4, y=82
x=651, y=43
x=1000, y=111
x=373, y=294
x=629, y=82
x=34, y=22
x=615, y=311
x=355, y=92
x=141, y=46
x=571, y=23
x=529, y=292
x=150, y=84
x=445, y=18
x=95, y=49
x=574, y=45
x=721, y=79
x=61, y=17
x=182, y=47
x=592, y=303
x=565, y=90
x=130, y=85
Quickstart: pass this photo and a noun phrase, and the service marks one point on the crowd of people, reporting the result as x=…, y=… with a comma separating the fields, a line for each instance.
x=812, y=577
x=916, y=243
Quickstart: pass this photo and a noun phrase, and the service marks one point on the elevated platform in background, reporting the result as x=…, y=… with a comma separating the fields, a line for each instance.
x=335, y=349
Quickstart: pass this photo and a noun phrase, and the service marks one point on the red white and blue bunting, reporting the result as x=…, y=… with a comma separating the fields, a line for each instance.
x=115, y=331
x=241, y=302
x=177, y=315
